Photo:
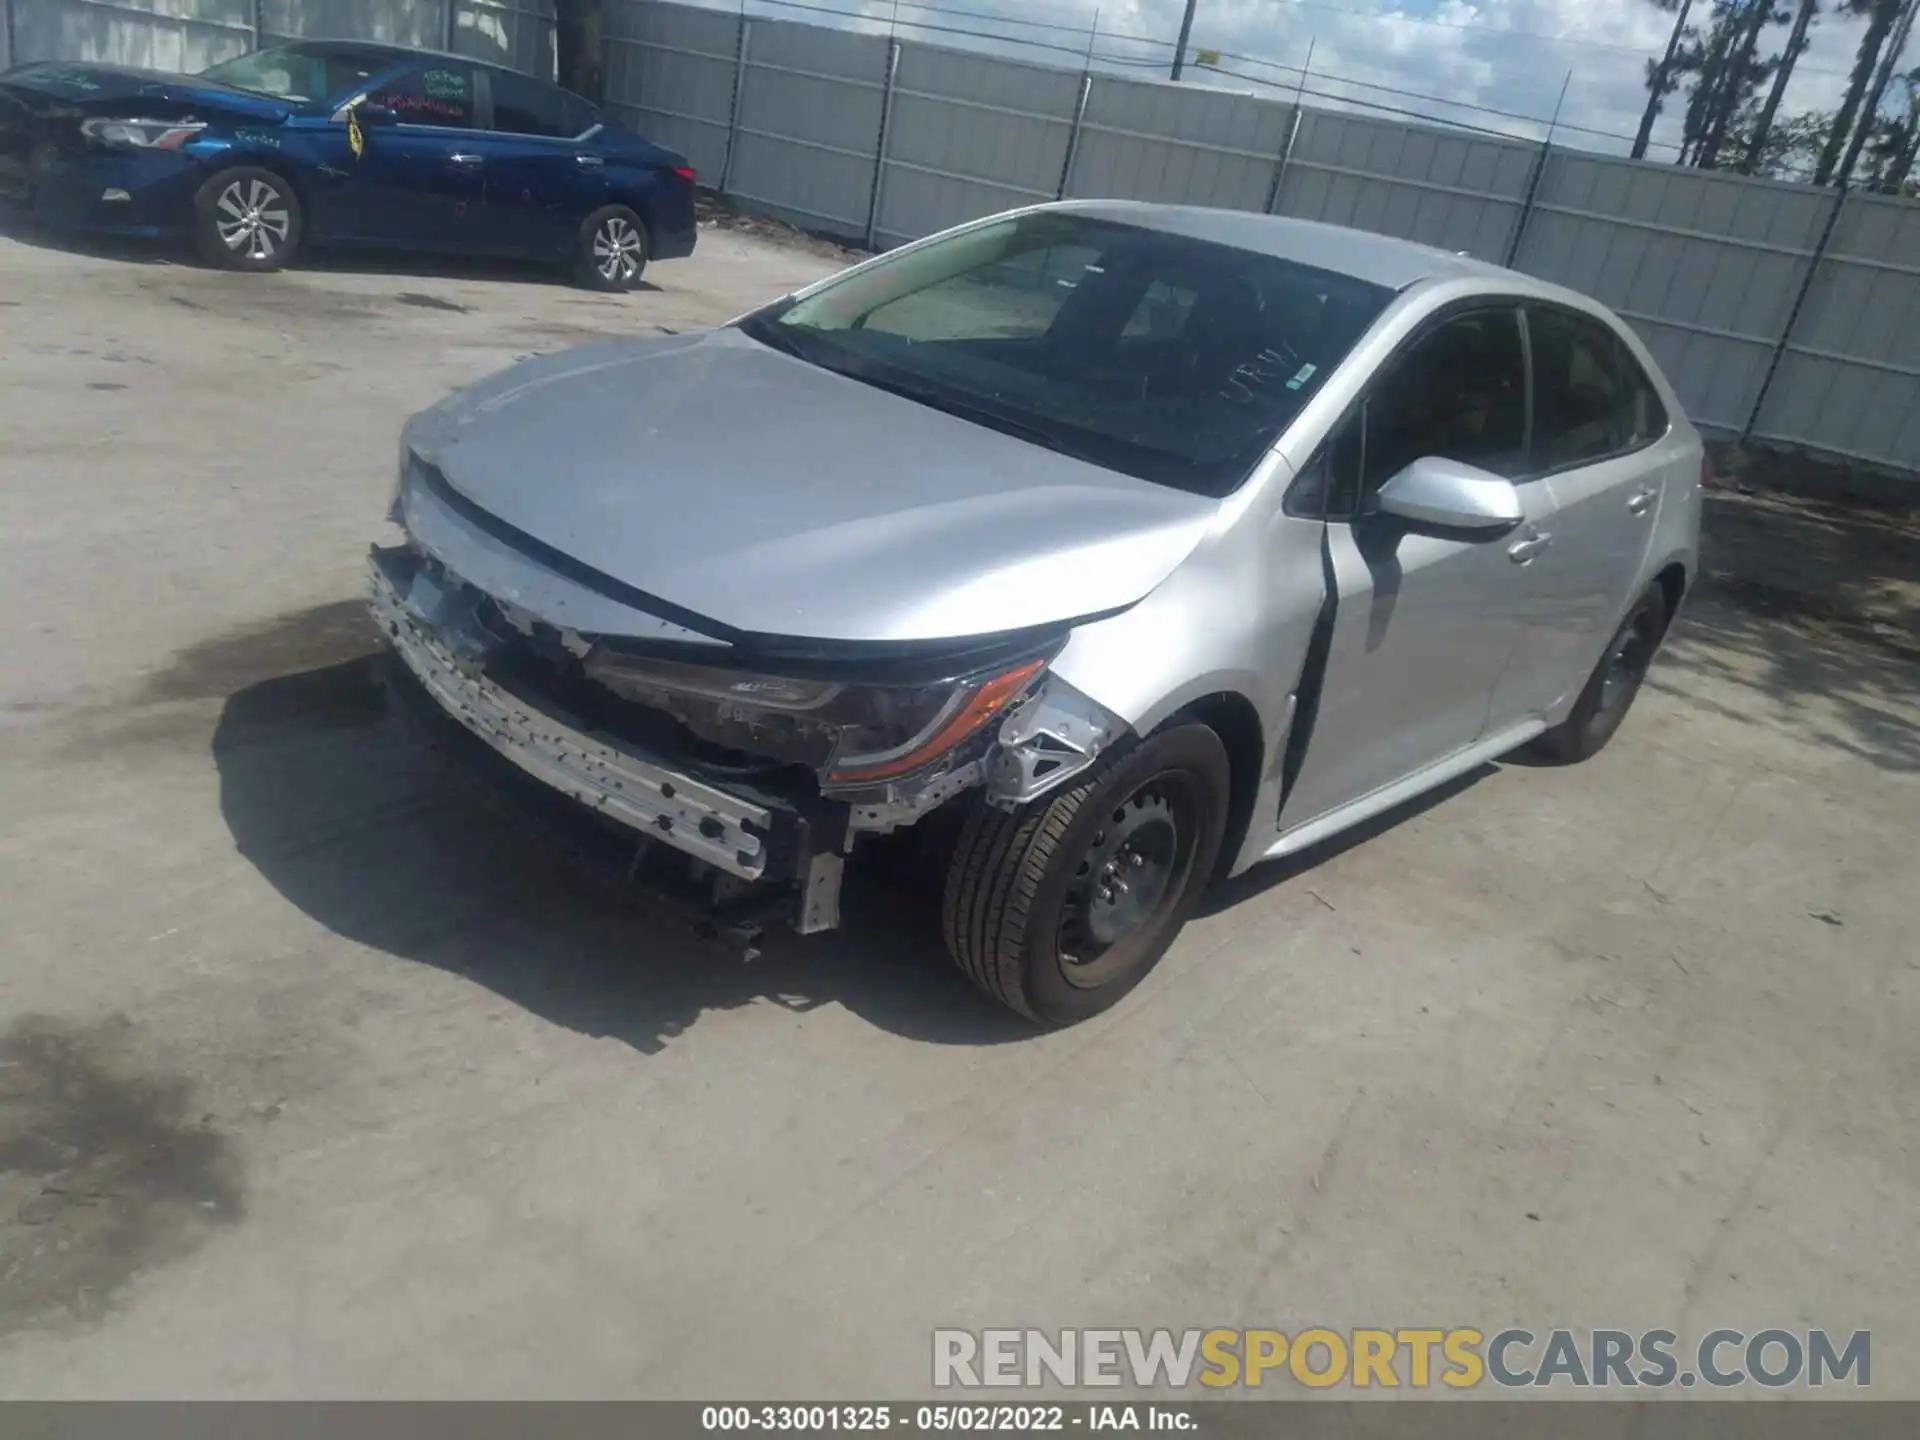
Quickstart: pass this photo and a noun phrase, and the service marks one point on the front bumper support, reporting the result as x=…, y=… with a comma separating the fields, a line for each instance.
x=420, y=618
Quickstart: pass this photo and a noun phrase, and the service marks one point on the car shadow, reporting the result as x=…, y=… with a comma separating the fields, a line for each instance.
x=336, y=797
x=369, y=261
x=355, y=260
x=21, y=228
x=1271, y=873
x=1806, y=622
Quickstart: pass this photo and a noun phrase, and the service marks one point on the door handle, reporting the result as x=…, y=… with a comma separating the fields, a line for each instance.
x=1641, y=501
x=467, y=160
x=1522, y=552
x=588, y=162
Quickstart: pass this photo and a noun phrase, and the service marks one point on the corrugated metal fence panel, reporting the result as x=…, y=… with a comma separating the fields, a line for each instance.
x=515, y=33
x=1150, y=140
x=176, y=35
x=808, y=126
x=1849, y=381
x=1440, y=187
x=670, y=72
x=971, y=135
x=1705, y=266
x=392, y=22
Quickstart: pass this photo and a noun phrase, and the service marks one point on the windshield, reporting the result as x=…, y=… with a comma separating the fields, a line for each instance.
x=300, y=73
x=1171, y=359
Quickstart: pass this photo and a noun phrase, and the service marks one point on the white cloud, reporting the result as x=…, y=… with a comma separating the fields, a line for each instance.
x=1508, y=56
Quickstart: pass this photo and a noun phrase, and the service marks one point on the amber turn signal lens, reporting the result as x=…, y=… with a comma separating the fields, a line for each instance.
x=966, y=722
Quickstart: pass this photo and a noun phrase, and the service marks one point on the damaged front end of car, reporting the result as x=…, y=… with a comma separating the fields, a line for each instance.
x=739, y=776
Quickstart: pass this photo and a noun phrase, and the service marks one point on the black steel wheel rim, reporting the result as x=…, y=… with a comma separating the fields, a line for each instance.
x=1130, y=872
x=1625, y=666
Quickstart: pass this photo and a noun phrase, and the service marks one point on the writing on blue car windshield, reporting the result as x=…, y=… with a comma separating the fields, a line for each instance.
x=1172, y=359
x=300, y=73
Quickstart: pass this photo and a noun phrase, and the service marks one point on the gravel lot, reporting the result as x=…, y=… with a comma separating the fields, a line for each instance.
x=316, y=1081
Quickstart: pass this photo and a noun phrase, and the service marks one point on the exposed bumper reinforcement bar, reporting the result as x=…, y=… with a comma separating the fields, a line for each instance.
x=686, y=814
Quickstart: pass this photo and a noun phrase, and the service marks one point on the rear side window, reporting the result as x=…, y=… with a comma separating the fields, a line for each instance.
x=581, y=117
x=525, y=106
x=1650, y=420
x=1591, y=399
x=441, y=94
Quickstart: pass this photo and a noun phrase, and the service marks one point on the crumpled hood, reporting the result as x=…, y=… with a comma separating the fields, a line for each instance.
x=780, y=499
x=120, y=90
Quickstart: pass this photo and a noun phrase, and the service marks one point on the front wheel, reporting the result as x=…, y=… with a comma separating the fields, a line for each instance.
x=1611, y=689
x=247, y=218
x=611, y=253
x=1060, y=908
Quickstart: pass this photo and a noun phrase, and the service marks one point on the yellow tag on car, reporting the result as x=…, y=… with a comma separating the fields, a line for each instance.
x=354, y=142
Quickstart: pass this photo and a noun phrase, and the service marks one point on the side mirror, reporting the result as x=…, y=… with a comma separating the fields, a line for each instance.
x=1450, y=495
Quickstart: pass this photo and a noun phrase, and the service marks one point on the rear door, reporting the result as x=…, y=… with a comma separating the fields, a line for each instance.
x=1596, y=421
x=419, y=179
x=543, y=179
x=1425, y=622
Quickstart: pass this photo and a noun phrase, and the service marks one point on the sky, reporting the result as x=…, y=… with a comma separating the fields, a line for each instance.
x=1510, y=56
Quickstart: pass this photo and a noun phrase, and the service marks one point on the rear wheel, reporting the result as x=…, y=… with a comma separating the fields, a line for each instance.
x=1611, y=689
x=612, y=250
x=247, y=218
x=1059, y=909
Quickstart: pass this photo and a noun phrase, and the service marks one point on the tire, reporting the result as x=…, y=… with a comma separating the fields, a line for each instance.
x=611, y=253
x=1022, y=912
x=247, y=218
x=1610, y=690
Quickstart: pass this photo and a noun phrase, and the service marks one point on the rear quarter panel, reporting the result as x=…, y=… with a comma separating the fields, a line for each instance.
x=640, y=175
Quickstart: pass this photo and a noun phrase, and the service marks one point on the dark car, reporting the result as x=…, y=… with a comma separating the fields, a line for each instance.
x=324, y=142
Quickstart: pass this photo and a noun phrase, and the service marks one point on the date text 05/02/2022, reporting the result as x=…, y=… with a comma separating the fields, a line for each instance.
x=929, y=1419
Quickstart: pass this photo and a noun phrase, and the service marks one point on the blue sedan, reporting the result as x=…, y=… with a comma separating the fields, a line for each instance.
x=333, y=142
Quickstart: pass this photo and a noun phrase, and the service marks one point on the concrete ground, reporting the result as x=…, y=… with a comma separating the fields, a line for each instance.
x=316, y=1081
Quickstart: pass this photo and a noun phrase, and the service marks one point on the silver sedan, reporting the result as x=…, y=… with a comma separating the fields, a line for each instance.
x=1122, y=546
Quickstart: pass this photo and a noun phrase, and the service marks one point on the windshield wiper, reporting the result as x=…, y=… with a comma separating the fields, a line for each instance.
x=775, y=337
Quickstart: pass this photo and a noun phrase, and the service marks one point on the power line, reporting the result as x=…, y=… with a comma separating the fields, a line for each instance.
x=1413, y=95
x=1135, y=62
x=1391, y=17
x=1499, y=32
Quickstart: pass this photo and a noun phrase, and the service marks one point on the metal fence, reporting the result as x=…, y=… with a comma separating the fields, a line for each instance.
x=189, y=35
x=1779, y=311
x=1849, y=376
x=1774, y=315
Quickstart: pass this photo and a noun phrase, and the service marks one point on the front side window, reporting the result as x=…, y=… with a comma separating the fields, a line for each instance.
x=439, y=94
x=1171, y=359
x=1459, y=392
x=1590, y=399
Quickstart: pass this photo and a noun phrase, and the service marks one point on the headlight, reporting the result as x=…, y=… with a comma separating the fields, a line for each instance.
x=141, y=134
x=852, y=735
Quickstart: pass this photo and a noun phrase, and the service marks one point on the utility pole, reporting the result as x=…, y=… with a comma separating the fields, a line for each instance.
x=1186, y=30
x=1870, y=111
x=1659, y=83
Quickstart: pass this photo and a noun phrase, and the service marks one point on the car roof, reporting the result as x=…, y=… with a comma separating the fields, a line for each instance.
x=394, y=54
x=1379, y=259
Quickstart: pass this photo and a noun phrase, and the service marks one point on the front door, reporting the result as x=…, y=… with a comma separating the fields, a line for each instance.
x=1425, y=623
x=419, y=179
